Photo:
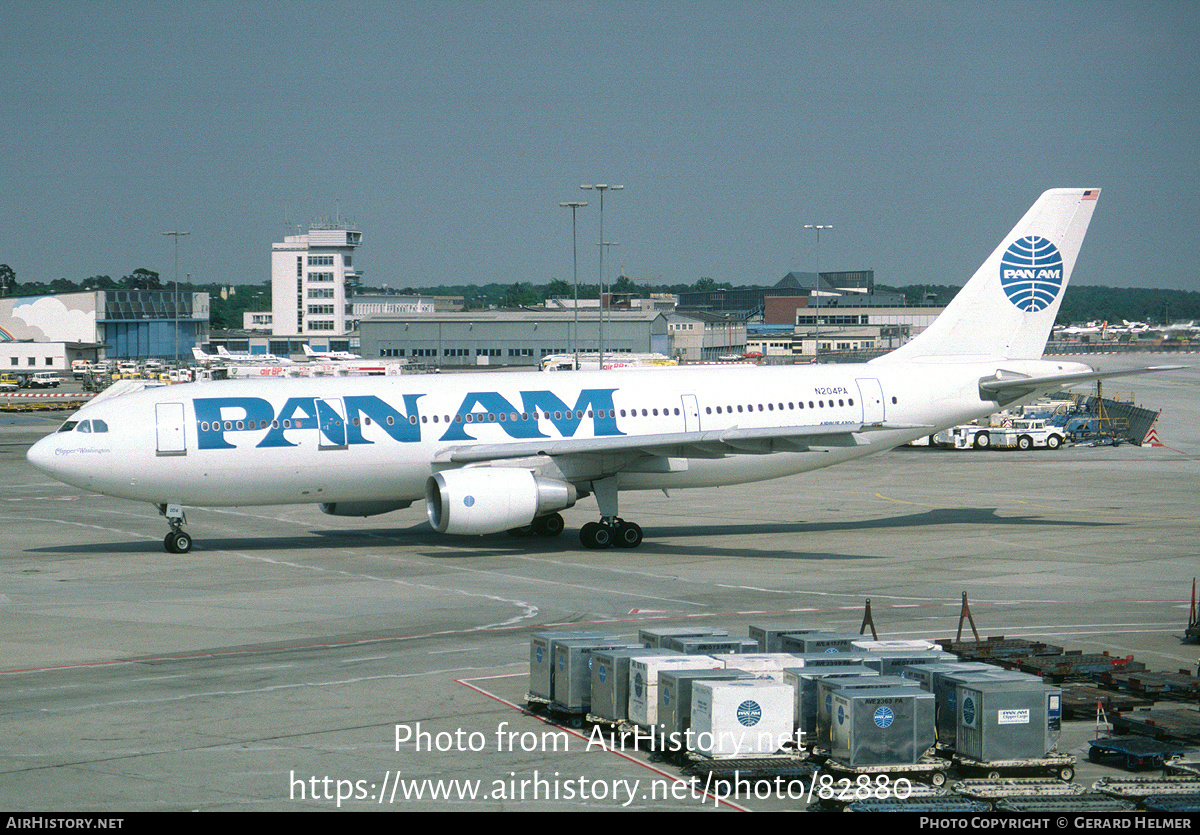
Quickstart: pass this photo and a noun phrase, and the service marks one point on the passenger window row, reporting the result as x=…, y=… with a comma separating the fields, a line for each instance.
x=791, y=406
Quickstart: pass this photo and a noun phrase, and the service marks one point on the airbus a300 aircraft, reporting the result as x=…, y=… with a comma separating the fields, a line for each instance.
x=495, y=452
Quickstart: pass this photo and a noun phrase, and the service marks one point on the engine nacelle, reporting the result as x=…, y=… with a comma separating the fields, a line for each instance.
x=492, y=499
x=361, y=508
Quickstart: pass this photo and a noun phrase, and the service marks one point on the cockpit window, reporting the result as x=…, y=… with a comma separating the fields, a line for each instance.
x=84, y=426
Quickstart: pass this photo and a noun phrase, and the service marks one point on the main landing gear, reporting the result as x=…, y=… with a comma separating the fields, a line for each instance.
x=178, y=541
x=548, y=526
x=610, y=532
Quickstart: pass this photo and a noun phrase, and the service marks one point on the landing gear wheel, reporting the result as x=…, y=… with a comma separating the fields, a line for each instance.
x=628, y=535
x=595, y=535
x=178, y=542
x=549, y=526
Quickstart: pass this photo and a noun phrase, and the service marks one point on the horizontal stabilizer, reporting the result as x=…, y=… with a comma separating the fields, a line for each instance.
x=1010, y=386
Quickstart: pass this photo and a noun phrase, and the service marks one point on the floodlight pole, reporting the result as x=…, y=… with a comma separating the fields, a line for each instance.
x=602, y=187
x=817, y=344
x=574, y=205
x=175, y=304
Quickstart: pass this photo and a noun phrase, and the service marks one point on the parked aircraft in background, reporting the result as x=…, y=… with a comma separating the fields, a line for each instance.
x=224, y=355
x=491, y=452
x=1181, y=327
x=1077, y=330
x=329, y=355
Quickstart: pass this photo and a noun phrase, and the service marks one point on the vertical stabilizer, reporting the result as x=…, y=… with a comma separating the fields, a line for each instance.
x=1008, y=307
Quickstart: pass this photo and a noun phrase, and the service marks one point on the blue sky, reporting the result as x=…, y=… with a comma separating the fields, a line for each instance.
x=449, y=133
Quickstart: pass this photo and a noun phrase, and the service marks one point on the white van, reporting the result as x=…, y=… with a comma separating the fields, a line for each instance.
x=45, y=380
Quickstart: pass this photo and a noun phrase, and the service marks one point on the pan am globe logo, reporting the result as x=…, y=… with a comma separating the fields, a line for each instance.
x=749, y=713
x=1031, y=273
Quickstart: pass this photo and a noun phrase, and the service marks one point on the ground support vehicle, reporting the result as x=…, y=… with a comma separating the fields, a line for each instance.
x=967, y=436
x=1027, y=434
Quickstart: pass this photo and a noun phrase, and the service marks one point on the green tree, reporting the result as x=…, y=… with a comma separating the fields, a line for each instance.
x=8, y=280
x=142, y=279
x=559, y=289
x=521, y=294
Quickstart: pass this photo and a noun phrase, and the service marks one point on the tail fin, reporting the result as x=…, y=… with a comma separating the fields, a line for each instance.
x=1008, y=307
x=308, y=352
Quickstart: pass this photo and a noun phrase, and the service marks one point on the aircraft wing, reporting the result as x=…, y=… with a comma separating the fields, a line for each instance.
x=714, y=444
x=1010, y=386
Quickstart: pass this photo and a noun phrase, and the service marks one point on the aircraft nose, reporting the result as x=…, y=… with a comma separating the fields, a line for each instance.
x=42, y=455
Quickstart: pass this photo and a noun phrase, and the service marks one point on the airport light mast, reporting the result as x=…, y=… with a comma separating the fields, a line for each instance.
x=817, y=291
x=175, y=305
x=602, y=187
x=574, y=205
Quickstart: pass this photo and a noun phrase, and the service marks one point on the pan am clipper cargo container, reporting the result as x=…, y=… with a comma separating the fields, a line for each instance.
x=741, y=718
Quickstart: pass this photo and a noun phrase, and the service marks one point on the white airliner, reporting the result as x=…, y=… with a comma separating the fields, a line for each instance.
x=329, y=355
x=492, y=452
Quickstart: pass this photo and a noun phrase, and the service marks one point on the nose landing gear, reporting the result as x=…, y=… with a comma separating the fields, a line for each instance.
x=178, y=541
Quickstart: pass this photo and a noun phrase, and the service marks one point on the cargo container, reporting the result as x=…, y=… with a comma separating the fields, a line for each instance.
x=573, y=671
x=712, y=645
x=1008, y=720
x=610, y=681
x=643, y=682
x=770, y=638
x=946, y=696
x=881, y=727
x=762, y=664
x=741, y=718
x=894, y=663
x=652, y=637
x=675, y=702
x=826, y=688
x=814, y=642
x=803, y=681
x=541, y=658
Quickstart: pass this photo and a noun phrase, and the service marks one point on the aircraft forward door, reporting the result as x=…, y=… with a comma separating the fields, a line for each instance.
x=331, y=420
x=691, y=413
x=872, y=400
x=169, y=434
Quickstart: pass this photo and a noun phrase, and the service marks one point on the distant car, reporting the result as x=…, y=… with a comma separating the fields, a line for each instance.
x=45, y=380
x=8, y=382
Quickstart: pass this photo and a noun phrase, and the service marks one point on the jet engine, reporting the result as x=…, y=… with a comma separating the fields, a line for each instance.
x=361, y=508
x=492, y=499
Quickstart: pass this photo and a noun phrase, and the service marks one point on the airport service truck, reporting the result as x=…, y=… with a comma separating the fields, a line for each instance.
x=1027, y=434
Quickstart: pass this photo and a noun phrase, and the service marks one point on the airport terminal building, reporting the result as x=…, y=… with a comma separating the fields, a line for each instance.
x=133, y=324
x=503, y=337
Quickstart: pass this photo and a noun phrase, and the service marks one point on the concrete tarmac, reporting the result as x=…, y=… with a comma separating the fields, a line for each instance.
x=277, y=665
